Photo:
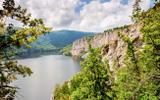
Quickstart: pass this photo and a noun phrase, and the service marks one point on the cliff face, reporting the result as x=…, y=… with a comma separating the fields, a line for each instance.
x=113, y=47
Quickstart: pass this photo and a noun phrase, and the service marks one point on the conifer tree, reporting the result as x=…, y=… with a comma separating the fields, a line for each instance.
x=136, y=11
x=11, y=38
x=92, y=83
x=139, y=78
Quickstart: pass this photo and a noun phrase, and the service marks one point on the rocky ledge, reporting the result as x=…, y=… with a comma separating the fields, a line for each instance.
x=113, y=47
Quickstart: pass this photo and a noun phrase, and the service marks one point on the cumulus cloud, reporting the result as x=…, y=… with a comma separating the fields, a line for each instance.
x=94, y=16
x=55, y=13
x=97, y=16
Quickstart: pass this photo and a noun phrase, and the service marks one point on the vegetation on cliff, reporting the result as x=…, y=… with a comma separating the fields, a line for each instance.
x=66, y=50
x=137, y=79
x=90, y=83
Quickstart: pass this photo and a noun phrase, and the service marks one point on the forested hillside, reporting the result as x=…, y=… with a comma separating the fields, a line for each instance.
x=52, y=42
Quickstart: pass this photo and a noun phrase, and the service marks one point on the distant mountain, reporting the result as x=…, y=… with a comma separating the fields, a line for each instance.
x=53, y=41
x=63, y=38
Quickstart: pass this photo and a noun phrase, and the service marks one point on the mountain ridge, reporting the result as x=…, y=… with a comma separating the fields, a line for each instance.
x=53, y=42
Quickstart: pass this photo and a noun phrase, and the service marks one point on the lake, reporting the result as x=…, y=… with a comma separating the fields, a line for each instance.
x=47, y=72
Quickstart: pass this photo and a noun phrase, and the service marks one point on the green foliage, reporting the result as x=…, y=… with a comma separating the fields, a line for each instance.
x=117, y=28
x=136, y=11
x=139, y=78
x=66, y=50
x=92, y=83
x=150, y=55
x=128, y=77
x=52, y=43
x=63, y=38
x=62, y=92
x=11, y=39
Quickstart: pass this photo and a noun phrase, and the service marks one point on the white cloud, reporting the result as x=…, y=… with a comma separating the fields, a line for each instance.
x=98, y=16
x=95, y=16
x=58, y=14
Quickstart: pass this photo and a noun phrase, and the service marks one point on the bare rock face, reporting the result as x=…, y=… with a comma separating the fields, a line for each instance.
x=79, y=47
x=113, y=47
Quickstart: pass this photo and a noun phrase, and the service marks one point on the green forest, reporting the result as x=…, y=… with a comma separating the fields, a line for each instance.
x=137, y=79
x=51, y=42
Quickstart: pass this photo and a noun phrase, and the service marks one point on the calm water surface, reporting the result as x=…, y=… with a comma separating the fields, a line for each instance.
x=48, y=71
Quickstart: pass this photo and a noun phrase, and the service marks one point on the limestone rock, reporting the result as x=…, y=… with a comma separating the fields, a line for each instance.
x=113, y=47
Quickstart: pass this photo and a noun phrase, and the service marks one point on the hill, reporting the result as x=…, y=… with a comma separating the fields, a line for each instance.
x=63, y=38
x=52, y=42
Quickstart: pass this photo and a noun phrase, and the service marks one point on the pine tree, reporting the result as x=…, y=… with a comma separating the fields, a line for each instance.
x=11, y=38
x=93, y=82
x=139, y=79
x=136, y=11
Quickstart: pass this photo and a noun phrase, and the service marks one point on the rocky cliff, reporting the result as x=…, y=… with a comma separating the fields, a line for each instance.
x=113, y=47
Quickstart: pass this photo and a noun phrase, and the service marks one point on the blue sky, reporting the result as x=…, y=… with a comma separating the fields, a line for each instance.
x=83, y=15
x=103, y=1
x=79, y=7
